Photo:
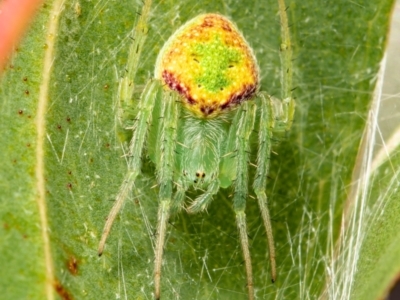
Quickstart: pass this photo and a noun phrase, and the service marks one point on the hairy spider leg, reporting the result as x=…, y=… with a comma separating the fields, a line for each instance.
x=125, y=92
x=139, y=35
x=179, y=196
x=166, y=148
x=266, y=125
x=139, y=38
x=201, y=202
x=285, y=112
x=247, y=115
x=140, y=130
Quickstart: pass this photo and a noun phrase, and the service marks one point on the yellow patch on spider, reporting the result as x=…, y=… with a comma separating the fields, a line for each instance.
x=210, y=64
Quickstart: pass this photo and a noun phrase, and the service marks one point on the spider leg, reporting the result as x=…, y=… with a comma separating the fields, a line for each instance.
x=260, y=181
x=125, y=92
x=179, y=197
x=146, y=105
x=284, y=110
x=275, y=115
x=202, y=202
x=165, y=175
x=247, y=113
x=229, y=157
x=138, y=36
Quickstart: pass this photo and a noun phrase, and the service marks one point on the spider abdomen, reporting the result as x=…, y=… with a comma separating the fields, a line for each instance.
x=210, y=64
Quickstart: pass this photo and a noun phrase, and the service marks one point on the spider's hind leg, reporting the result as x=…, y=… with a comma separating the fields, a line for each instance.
x=263, y=159
x=247, y=113
x=165, y=162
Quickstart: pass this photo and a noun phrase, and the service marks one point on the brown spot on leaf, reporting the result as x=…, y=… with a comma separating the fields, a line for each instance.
x=61, y=291
x=72, y=265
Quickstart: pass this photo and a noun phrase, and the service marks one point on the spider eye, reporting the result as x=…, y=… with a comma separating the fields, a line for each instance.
x=200, y=175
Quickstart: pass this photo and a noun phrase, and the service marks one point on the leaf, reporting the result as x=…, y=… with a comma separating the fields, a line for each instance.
x=378, y=244
x=74, y=131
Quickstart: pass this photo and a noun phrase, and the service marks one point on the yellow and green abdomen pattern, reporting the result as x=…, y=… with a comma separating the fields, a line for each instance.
x=210, y=64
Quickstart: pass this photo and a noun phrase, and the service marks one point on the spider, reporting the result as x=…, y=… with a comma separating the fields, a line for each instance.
x=197, y=118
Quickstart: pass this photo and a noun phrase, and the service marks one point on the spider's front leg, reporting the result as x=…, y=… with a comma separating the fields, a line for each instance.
x=143, y=118
x=284, y=110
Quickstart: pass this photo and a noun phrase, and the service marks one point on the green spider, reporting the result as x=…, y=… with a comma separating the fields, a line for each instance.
x=197, y=120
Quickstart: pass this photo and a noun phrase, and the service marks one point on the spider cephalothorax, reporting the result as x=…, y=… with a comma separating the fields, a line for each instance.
x=198, y=120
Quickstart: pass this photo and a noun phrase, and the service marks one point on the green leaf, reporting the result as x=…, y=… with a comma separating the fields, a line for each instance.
x=377, y=220
x=62, y=161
